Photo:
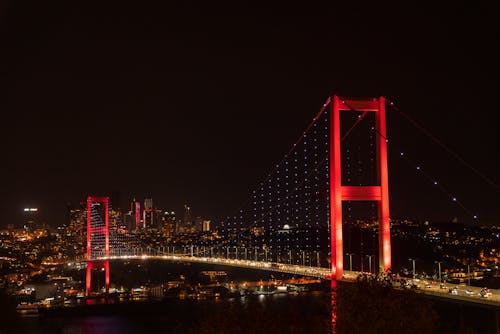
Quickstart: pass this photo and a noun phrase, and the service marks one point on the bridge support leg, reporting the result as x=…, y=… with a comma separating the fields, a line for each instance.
x=88, y=278
x=337, y=256
x=106, y=269
x=384, y=233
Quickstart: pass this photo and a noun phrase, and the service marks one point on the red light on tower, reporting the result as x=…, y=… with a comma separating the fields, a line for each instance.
x=339, y=193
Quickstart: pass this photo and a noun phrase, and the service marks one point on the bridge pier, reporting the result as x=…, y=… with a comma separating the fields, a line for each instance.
x=103, y=265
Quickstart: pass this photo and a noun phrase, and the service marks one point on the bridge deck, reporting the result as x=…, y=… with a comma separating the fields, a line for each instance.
x=318, y=272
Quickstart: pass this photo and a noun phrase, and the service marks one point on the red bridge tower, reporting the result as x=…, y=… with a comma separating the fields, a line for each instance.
x=339, y=193
x=97, y=239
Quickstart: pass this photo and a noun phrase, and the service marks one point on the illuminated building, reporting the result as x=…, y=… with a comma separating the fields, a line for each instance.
x=168, y=223
x=31, y=218
x=151, y=217
x=206, y=226
x=135, y=212
x=186, y=225
x=187, y=219
x=198, y=224
x=129, y=221
x=77, y=219
x=148, y=204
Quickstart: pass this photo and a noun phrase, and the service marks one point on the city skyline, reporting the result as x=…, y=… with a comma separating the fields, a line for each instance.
x=194, y=166
x=190, y=111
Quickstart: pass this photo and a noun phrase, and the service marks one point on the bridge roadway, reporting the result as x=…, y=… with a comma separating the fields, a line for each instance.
x=317, y=272
x=424, y=286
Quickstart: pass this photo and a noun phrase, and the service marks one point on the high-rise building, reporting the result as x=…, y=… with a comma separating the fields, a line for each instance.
x=206, y=226
x=151, y=217
x=129, y=221
x=187, y=219
x=198, y=224
x=186, y=226
x=168, y=223
x=148, y=204
x=135, y=211
x=31, y=219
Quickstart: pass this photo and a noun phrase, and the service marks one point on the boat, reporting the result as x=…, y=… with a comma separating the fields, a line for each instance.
x=27, y=309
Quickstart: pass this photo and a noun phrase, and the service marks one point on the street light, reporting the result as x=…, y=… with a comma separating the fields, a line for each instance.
x=369, y=262
x=414, y=274
x=439, y=269
x=350, y=260
x=468, y=274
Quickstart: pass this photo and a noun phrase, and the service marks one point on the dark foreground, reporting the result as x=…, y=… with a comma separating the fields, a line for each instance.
x=254, y=314
x=304, y=313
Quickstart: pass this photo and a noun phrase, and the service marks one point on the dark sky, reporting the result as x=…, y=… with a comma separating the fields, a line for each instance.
x=192, y=102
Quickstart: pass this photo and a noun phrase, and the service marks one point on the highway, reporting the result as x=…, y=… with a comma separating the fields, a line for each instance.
x=443, y=290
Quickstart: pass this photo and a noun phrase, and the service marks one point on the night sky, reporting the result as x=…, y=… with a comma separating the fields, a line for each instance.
x=193, y=103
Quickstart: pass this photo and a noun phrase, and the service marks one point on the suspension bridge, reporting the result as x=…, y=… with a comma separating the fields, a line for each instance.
x=292, y=221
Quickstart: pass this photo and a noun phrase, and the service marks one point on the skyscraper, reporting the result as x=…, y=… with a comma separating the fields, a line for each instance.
x=135, y=211
x=148, y=204
x=206, y=226
x=31, y=219
x=150, y=216
x=168, y=223
x=187, y=221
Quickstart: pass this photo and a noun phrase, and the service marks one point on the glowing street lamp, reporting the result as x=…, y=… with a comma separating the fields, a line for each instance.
x=439, y=269
x=369, y=262
x=350, y=260
x=413, y=260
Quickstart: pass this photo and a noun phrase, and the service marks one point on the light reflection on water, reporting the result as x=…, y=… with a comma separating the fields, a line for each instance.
x=334, y=306
x=84, y=325
x=165, y=317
